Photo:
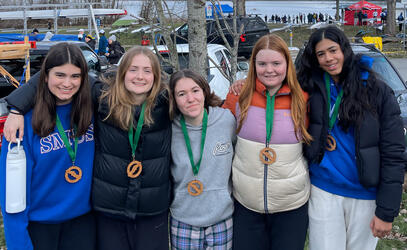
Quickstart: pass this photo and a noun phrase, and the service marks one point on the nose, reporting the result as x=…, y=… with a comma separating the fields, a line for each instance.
x=269, y=67
x=190, y=97
x=328, y=56
x=139, y=74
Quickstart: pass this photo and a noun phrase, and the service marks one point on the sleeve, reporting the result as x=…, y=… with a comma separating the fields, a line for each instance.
x=230, y=103
x=23, y=98
x=15, y=225
x=393, y=161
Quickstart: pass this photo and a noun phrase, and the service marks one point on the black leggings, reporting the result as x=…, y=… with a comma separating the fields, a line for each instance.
x=283, y=230
x=78, y=233
x=144, y=233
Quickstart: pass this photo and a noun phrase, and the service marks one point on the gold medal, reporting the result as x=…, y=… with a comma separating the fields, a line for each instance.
x=330, y=143
x=134, y=169
x=195, y=187
x=73, y=174
x=268, y=153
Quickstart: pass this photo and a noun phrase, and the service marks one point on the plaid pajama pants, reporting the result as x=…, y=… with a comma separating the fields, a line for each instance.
x=186, y=237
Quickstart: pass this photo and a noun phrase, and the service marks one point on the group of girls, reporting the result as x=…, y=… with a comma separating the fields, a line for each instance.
x=326, y=154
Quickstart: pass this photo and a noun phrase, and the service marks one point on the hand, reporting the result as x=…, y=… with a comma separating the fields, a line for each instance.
x=237, y=86
x=379, y=227
x=13, y=124
x=106, y=54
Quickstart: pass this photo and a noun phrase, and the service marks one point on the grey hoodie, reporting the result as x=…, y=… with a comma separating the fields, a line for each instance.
x=215, y=203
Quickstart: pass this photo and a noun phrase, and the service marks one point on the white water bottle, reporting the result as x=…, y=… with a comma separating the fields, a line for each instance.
x=16, y=169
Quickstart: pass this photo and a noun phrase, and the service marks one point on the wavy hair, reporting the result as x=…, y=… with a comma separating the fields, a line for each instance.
x=44, y=112
x=211, y=100
x=120, y=100
x=298, y=103
x=358, y=95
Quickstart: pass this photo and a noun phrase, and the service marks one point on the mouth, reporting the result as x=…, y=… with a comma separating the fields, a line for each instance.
x=331, y=66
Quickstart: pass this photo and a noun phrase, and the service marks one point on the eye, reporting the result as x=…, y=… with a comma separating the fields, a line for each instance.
x=261, y=63
x=76, y=76
x=276, y=63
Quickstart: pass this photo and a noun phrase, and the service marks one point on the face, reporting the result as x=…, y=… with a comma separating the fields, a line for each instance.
x=271, y=68
x=139, y=77
x=330, y=57
x=87, y=39
x=64, y=82
x=190, y=100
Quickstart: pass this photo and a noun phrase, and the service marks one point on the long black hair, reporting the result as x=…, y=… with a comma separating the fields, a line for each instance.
x=358, y=95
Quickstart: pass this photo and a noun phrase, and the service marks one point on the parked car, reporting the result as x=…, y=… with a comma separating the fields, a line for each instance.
x=254, y=28
x=15, y=67
x=220, y=56
x=386, y=71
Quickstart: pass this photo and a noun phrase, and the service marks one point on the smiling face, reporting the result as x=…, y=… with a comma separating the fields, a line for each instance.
x=330, y=57
x=271, y=69
x=190, y=100
x=139, y=78
x=64, y=82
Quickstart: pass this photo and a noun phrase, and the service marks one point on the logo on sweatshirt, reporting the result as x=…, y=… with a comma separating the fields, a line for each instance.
x=222, y=148
x=54, y=141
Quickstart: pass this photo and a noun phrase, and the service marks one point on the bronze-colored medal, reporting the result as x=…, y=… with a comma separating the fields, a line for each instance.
x=134, y=169
x=330, y=143
x=73, y=174
x=195, y=187
x=269, y=154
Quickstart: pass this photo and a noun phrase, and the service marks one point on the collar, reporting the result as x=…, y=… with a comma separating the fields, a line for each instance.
x=261, y=89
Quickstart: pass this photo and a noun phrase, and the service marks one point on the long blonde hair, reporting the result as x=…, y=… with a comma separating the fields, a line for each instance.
x=119, y=99
x=298, y=103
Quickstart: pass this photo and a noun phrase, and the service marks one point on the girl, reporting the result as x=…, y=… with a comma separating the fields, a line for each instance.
x=201, y=212
x=270, y=176
x=59, y=147
x=131, y=181
x=356, y=157
x=131, y=178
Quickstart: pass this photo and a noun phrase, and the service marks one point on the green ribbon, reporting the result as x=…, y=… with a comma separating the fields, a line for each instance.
x=61, y=131
x=269, y=115
x=332, y=115
x=133, y=139
x=195, y=167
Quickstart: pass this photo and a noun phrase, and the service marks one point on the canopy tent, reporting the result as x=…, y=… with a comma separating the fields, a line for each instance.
x=210, y=10
x=372, y=11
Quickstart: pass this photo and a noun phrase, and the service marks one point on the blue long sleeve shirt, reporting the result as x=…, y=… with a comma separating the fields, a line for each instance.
x=50, y=198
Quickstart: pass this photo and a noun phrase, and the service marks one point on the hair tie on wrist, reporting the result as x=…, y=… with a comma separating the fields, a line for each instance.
x=15, y=112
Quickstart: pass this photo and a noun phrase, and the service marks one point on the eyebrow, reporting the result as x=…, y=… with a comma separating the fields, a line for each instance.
x=333, y=46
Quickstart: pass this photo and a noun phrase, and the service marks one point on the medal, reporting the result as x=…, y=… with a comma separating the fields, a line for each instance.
x=330, y=144
x=74, y=173
x=135, y=167
x=268, y=155
x=195, y=187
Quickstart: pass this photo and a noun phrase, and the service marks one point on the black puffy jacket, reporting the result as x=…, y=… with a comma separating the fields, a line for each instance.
x=379, y=145
x=117, y=195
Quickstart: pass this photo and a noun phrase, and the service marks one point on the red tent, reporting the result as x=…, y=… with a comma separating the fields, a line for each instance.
x=367, y=8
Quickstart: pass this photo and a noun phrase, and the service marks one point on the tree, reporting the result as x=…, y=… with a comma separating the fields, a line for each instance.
x=234, y=31
x=198, y=53
x=240, y=7
x=337, y=11
x=391, y=17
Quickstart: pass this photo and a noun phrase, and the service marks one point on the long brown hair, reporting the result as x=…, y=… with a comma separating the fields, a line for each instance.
x=211, y=100
x=44, y=113
x=298, y=103
x=120, y=100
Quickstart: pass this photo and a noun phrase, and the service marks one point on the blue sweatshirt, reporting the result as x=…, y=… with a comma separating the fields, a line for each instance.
x=337, y=172
x=50, y=198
